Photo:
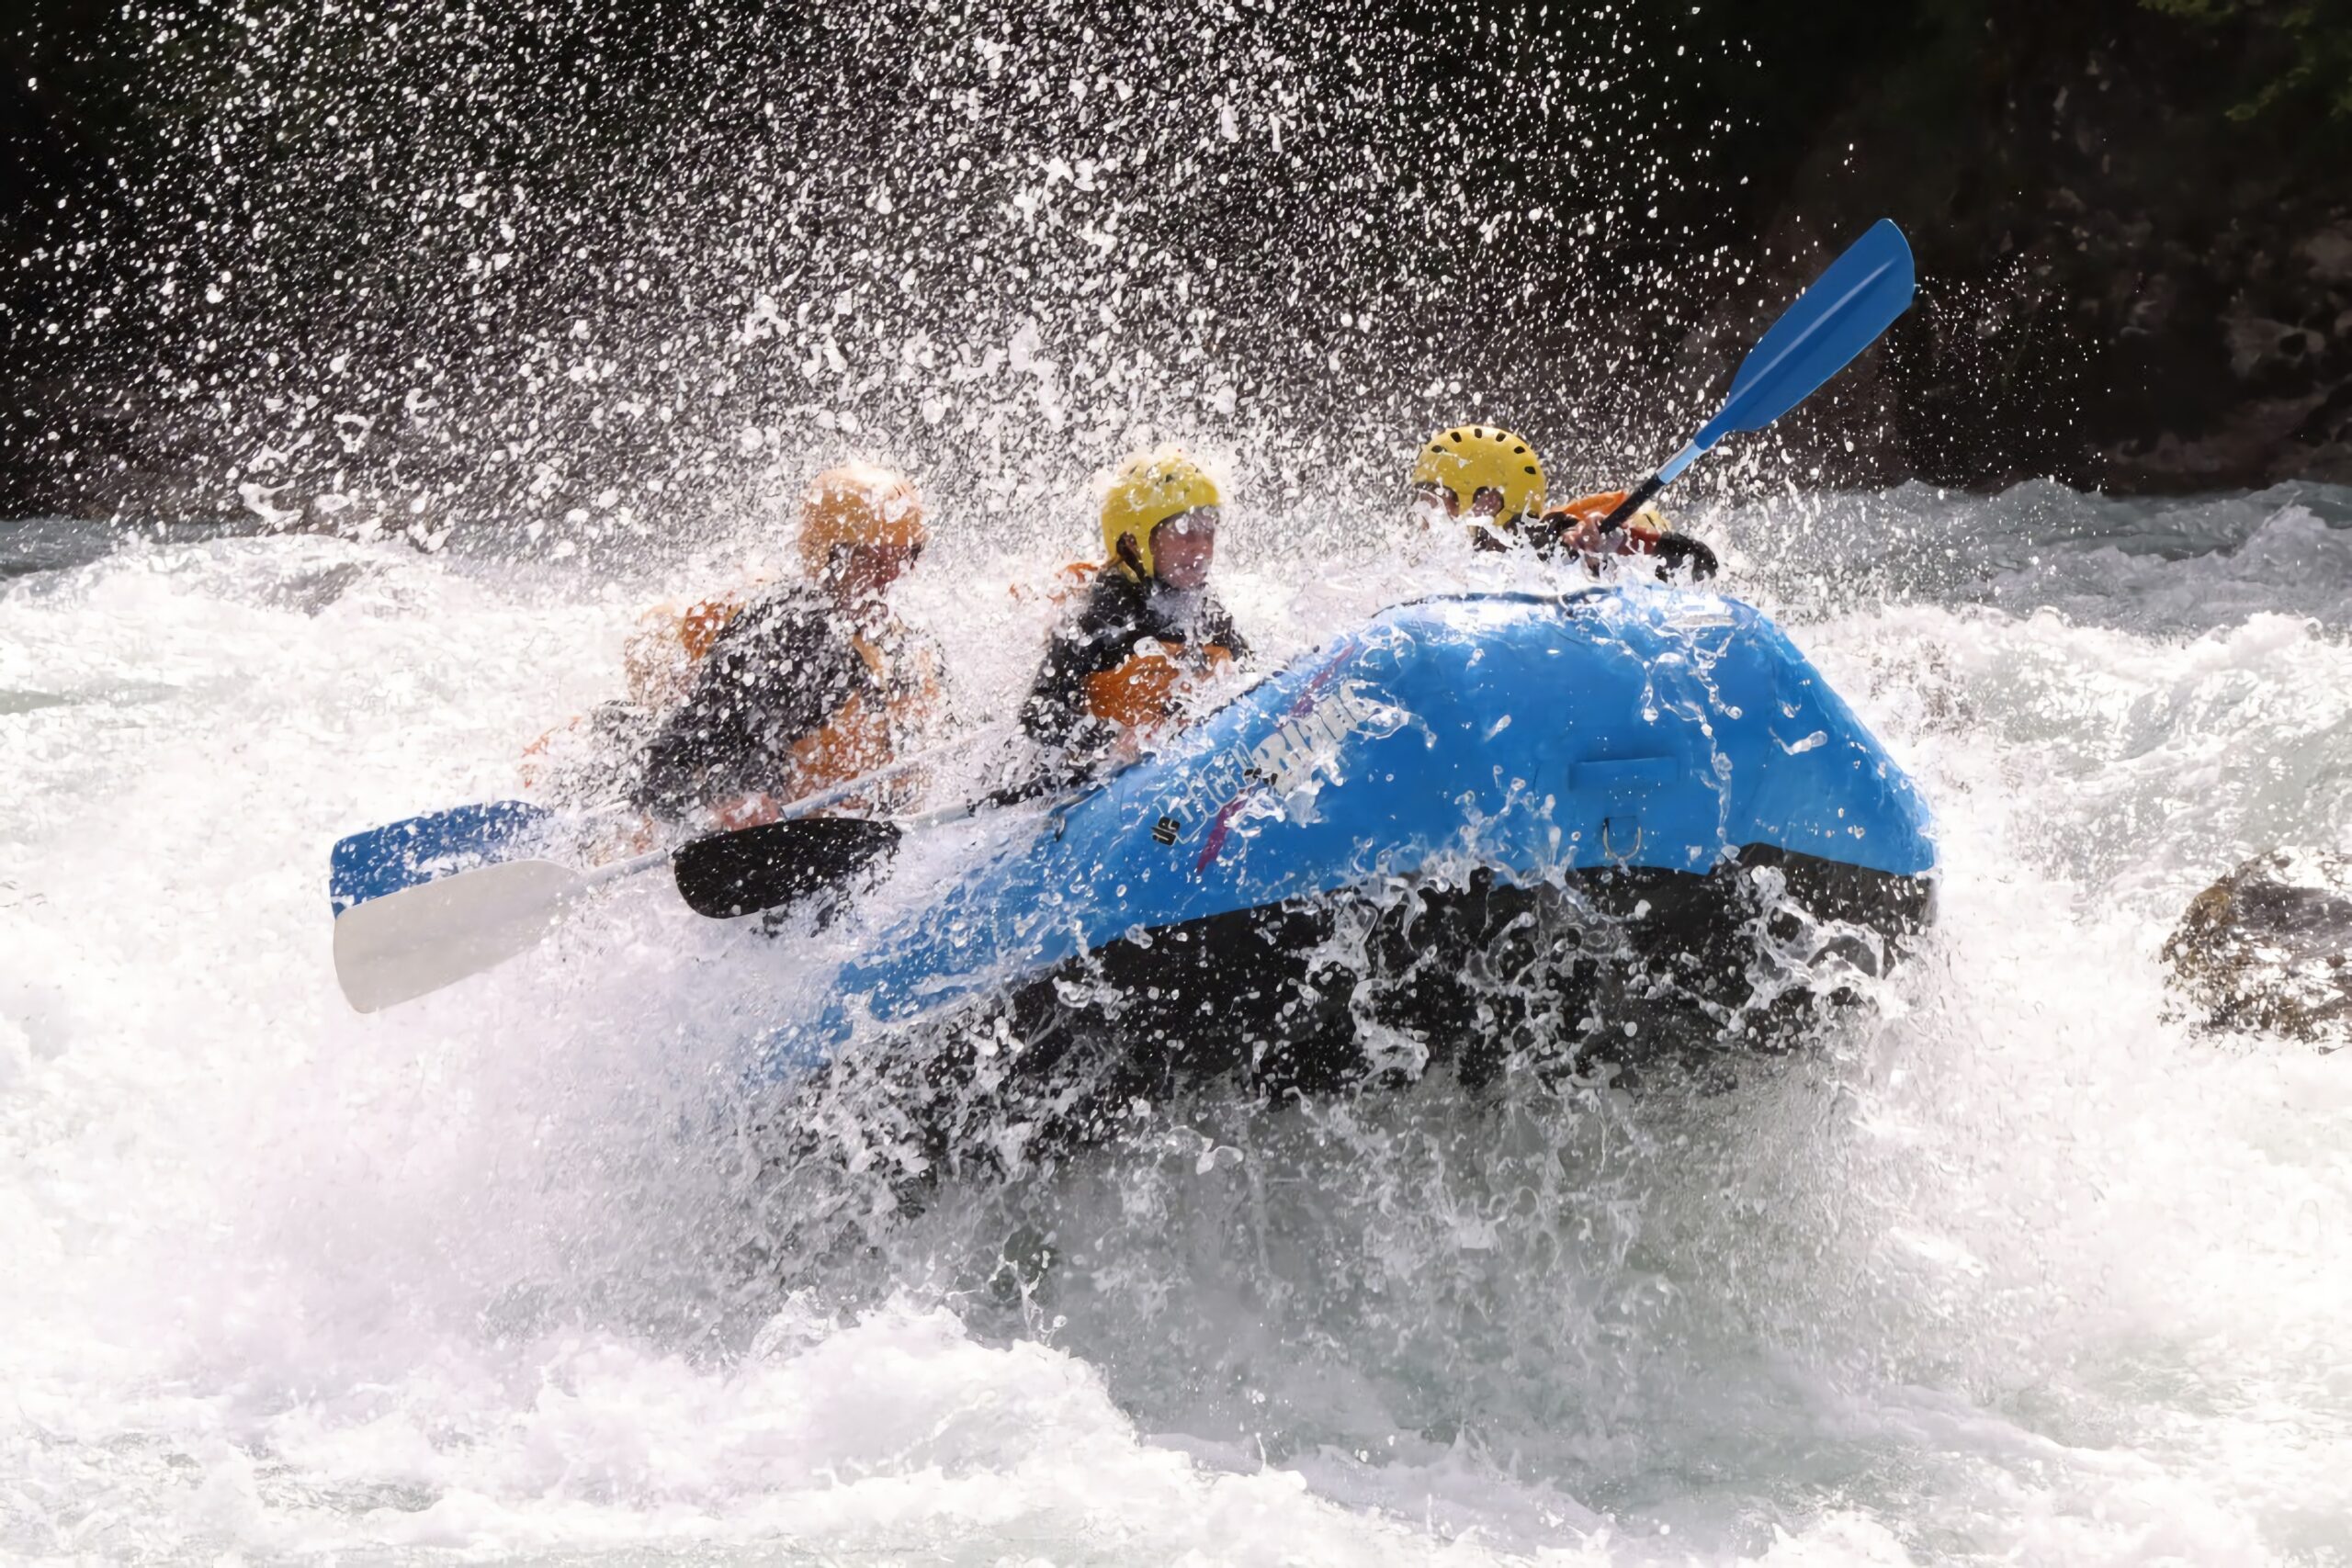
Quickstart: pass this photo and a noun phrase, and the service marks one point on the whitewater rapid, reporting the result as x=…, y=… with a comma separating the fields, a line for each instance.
x=2017, y=1267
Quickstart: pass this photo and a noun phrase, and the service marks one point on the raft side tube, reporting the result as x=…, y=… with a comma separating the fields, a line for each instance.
x=1624, y=728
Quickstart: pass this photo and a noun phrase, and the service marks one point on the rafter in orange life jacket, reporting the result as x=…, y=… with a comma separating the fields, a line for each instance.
x=864, y=732
x=1124, y=661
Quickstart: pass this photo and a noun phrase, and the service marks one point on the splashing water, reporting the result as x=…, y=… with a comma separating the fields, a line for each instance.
x=2010, y=1264
x=567, y=278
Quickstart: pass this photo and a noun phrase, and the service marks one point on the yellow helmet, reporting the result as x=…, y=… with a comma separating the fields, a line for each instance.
x=1472, y=458
x=1148, y=489
x=859, y=503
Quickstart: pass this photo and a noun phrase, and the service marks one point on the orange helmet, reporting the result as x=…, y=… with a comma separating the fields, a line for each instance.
x=859, y=503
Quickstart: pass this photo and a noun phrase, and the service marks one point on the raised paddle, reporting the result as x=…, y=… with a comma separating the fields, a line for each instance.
x=1842, y=314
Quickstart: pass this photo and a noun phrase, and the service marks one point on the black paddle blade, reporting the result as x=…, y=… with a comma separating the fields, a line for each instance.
x=779, y=865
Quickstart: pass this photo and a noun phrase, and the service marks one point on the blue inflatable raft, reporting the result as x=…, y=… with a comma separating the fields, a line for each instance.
x=1469, y=797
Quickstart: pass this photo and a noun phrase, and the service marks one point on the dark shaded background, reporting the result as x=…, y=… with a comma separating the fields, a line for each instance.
x=557, y=269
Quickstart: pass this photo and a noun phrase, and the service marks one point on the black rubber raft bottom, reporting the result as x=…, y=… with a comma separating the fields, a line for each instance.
x=1626, y=968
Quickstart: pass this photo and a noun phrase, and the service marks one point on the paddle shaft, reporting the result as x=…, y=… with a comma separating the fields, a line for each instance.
x=807, y=806
x=1639, y=496
x=1636, y=499
x=777, y=865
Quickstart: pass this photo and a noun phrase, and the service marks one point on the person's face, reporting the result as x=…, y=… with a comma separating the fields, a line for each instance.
x=866, y=571
x=1432, y=506
x=1182, y=548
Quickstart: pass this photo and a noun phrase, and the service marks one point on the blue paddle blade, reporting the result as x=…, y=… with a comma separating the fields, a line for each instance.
x=1842, y=314
x=423, y=849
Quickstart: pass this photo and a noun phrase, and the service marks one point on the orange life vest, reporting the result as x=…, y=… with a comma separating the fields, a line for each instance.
x=1146, y=692
x=862, y=736
x=1642, y=530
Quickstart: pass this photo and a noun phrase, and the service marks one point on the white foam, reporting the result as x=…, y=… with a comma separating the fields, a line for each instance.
x=2022, y=1268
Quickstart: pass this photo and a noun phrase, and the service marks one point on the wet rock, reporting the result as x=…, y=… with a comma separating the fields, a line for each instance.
x=2269, y=947
x=2329, y=253
x=2260, y=345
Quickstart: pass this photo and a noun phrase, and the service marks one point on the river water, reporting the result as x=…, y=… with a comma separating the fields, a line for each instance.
x=2015, y=1267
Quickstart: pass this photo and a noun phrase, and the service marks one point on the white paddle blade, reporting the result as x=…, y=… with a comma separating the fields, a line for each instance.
x=408, y=943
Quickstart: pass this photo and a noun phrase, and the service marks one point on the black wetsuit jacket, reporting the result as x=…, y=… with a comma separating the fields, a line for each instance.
x=779, y=671
x=1118, y=614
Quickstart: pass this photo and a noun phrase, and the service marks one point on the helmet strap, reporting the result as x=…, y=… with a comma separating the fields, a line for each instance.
x=1131, y=558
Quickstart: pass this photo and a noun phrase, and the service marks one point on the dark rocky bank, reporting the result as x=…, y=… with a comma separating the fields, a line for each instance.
x=2134, y=232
